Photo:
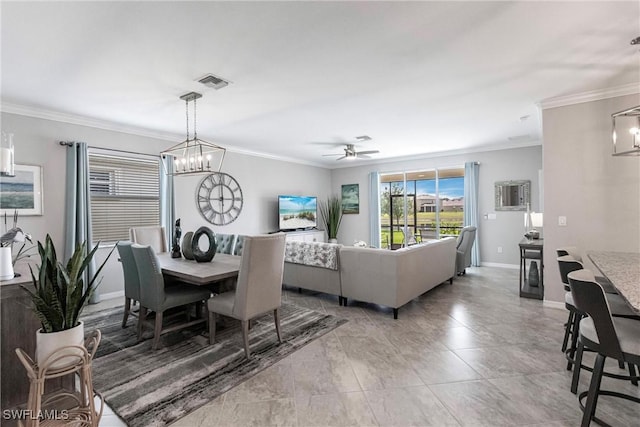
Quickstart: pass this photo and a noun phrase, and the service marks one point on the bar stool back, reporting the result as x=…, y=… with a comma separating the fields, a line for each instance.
x=616, y=338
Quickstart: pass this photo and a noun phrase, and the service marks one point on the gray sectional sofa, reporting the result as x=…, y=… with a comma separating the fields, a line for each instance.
x=379, y=276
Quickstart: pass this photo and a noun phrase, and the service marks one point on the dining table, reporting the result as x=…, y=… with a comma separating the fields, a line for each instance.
x=622, y=269
x=220, y=268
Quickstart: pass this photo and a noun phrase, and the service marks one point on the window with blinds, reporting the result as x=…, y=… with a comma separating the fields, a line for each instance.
x=125, y=193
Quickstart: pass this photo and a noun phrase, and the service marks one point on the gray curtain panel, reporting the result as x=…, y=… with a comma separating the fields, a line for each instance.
x=78, y=206
x=471, y=215
x=167, y=199
x=374, y=209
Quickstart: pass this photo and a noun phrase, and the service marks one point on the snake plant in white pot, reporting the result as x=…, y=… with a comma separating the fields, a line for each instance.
x=331, y=212
x=58, y=300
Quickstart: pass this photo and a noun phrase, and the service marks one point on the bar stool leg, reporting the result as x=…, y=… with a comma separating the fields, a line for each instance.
x=594, y=389
x=576, y=369
x=567, y=330
x=574, y=339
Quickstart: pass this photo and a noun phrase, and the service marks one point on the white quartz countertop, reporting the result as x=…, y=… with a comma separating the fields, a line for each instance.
x=623, y=271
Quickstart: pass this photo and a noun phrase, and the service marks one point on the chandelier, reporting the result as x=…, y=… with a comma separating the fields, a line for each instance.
x=193, y=156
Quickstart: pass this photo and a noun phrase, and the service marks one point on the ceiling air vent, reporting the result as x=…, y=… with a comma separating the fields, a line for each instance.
x=214, y=82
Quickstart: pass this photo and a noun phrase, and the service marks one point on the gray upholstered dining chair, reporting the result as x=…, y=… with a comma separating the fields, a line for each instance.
x=609, y=336
x=225, y=243
x=237, y=248
x=259, y=287
x=463, y=248
x=150, y=236
x=131, y=280
x=154, y=296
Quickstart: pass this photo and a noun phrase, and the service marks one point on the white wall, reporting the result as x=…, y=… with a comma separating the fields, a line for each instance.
x=501, y=165
x=598, y=193
x=36, y=142
x=261, y=180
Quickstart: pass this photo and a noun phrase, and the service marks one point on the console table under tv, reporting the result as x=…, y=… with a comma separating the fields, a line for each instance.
x=305, y=235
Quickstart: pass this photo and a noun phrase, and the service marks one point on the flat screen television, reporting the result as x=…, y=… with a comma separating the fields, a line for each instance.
x=297, y=212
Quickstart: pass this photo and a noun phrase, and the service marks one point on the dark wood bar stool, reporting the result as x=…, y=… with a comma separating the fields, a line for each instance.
x=614, y=337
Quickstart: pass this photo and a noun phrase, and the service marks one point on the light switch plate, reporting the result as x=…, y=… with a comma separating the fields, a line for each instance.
x=562, y=221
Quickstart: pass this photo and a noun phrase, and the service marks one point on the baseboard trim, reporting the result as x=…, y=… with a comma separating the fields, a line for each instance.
x=553, y=304
x=500, y=265
x=111, y=295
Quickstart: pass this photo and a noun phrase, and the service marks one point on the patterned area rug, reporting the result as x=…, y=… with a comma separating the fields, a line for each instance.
x=155, y=388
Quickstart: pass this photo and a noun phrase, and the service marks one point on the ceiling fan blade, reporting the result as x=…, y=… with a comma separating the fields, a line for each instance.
x=329, y=155
x=368, y=152
x=340, y=158
x=329, y=144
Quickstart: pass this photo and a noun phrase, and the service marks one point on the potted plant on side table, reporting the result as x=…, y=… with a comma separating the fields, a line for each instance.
x=59, y=298
x=331, y=212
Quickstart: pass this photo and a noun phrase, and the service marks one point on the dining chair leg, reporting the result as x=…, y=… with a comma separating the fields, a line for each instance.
x=157, y=330
x=142, y=317
x=594, y=388
x=276, y=318
x=633, y=374
x=212, y=327
x=576, y=368
x=245, y=336
x=567, y=330
x=127, y=309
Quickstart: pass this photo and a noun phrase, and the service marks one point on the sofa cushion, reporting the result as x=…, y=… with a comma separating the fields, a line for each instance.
x=315, y=254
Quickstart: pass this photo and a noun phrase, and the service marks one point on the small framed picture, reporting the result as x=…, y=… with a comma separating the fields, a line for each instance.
x=350, y=199
x=22, y=192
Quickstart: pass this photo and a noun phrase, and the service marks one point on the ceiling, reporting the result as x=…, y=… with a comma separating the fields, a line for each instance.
x=418, y=77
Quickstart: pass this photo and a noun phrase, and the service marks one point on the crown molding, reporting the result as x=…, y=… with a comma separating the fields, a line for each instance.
x=41, y=113
x=448, y=153
x=74, y=119
x=593, y=95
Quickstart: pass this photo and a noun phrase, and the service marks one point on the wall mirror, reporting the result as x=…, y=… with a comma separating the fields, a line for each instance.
x=512, y=195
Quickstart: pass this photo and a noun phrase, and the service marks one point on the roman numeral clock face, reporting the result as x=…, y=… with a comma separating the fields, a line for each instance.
x=219, y=198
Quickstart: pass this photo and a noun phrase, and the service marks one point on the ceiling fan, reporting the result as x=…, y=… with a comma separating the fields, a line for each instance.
x=350, y=151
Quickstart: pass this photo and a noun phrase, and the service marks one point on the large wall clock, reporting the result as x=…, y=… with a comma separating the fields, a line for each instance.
x=219, y=198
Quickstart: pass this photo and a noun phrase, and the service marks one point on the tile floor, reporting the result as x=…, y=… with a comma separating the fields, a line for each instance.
x=471, y=354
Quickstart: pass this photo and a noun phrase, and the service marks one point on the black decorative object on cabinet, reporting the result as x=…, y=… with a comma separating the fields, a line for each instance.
x=208, y=255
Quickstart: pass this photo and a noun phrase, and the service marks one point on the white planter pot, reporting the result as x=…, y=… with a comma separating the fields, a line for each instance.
x=47, y=344
x=333, y=240
x=6, y=266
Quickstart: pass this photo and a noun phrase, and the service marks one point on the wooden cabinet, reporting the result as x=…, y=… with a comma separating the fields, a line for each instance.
x=306, y=236
x=531, y=269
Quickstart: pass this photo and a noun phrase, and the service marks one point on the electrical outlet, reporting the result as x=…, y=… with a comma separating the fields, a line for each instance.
x=562, y=221
x=499, y=249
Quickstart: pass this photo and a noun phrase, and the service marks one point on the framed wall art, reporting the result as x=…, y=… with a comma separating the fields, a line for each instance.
x=22, y=192
x=350, y=199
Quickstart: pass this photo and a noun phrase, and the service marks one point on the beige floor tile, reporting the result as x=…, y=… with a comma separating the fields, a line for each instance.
x=441, y=367
x=411, y=406
x=280, y=412
x=344, y=409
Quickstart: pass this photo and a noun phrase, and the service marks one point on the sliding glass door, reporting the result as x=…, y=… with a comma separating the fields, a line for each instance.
x=422, y=205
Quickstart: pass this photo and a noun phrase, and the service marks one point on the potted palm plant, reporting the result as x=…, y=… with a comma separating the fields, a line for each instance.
x=60, y=296
x=331, y=212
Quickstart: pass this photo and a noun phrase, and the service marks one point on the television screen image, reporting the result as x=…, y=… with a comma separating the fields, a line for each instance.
x=297, y=212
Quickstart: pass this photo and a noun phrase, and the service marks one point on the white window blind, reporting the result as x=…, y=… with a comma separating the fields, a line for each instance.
x=125, y=193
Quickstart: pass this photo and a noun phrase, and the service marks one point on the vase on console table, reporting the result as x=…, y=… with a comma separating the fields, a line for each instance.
x=333, y=240
x=534, y=277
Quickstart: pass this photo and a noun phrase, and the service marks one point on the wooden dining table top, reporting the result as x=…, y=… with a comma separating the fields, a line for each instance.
x=221, y=267
x=623, y=271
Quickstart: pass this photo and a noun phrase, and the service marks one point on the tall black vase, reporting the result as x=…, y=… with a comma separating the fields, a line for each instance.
x=534, y=275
